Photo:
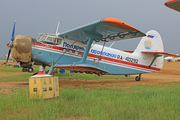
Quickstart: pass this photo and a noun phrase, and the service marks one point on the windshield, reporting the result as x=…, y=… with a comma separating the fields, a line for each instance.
x=49, y=39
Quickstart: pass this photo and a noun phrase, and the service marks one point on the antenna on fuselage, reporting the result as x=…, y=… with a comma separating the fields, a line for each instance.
x=57, y=27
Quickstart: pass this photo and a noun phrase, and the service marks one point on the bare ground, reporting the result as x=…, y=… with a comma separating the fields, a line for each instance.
x=169, y=73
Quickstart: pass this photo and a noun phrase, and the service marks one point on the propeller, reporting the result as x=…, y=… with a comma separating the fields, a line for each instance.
x=11, y=42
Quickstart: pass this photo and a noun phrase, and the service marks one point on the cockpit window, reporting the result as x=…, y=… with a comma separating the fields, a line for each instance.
x=49, y=39
x=58, y=41
x=38, y=37
x=42, y=38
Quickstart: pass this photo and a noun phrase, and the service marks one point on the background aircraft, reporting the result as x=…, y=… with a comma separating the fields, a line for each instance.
x=76, y=50
x=172, y=58
x=173, y=4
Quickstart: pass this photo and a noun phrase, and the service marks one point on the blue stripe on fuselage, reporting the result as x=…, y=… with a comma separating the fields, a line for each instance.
x=48, y=57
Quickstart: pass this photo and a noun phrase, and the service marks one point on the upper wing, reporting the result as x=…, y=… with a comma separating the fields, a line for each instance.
x=107, y=29
x=161, y=53
x=173, y=4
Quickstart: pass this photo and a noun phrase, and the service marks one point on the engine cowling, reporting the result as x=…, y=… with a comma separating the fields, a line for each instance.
x=21, y=48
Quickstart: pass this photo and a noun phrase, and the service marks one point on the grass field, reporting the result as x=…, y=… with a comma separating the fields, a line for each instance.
x=157, y=101
x=137, y=102
x=25, y=76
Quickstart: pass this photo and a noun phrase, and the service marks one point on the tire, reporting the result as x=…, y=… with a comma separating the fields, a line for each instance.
x=137, y=78
x=30, y=70
x=24, y=69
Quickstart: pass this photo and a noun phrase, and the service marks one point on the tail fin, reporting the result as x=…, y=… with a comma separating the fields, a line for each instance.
x=152, y=42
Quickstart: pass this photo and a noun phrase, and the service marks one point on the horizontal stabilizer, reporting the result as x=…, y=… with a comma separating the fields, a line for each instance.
x=161, y=53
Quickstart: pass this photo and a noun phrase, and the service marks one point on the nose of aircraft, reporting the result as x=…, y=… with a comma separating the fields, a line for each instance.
x=21, y=48
x=8, y=44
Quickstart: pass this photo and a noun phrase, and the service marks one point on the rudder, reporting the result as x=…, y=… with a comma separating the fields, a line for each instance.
x=151, y=42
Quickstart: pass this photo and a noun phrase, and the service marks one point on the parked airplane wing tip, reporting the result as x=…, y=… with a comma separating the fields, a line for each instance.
x=173, y=4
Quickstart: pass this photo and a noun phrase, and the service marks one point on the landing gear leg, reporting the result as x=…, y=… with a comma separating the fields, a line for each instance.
x=24, y=69
x=51, y=70
x=44, y=68
x=138, y=78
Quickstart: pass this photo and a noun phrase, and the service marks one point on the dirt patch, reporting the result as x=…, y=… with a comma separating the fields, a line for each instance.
x=10, y=73
x=169, y=73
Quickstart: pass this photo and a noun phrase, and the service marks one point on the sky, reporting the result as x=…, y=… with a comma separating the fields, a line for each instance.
x=42, y=16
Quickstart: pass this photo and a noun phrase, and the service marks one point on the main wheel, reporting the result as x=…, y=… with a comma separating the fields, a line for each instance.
x=137, y=78
x=24, y=69
x=30, y=70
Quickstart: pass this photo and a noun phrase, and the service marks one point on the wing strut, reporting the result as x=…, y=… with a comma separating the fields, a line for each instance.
x=99, y=58
x=88, y=46
x=155, y=56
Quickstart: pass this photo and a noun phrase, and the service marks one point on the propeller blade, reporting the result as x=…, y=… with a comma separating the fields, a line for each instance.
x=8, y=55
x=12, y=37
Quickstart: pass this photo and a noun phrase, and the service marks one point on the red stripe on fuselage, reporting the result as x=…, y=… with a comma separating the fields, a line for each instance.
x=123, y=62
x=103, y=57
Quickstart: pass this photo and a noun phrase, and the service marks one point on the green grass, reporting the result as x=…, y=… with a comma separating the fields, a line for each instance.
x=12, y=69
x=138, y=102
x=18, y=77
x=25, y=76
x=8, y=69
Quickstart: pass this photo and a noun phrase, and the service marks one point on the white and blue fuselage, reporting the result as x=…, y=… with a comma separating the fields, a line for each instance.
x=106, y=59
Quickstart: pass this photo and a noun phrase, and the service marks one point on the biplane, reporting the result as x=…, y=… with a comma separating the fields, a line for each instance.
x=77, y=50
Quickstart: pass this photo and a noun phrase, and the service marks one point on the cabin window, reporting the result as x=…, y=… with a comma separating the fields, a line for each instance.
x=50, y=39
x=58, y=41
x=38, y=37
x=64, y=50
x=76, y=53
x=70, y=51
x=42, y=37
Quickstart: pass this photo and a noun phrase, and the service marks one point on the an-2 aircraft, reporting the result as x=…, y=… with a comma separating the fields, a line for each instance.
x=76, y=50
